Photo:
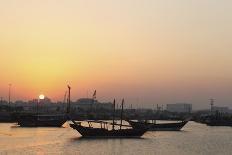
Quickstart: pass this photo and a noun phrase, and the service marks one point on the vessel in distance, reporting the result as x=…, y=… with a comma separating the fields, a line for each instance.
x=34, y=120
x=177, y=126
x=42, y=120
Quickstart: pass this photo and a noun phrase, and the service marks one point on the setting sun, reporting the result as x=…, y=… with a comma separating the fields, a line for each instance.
x=41, y=97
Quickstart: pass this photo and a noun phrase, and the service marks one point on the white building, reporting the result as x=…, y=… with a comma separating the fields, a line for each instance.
x=180, y=107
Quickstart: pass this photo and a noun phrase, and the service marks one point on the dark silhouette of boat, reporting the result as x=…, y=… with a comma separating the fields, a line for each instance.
x=105, y=132
x=218, y=119
x=212, y=122
x=42, y=120
x=177, y=126
x=31, y=120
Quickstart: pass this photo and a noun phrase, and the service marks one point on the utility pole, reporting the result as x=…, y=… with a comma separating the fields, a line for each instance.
x=37, y=107
x=121, y=113
x=114, y=114
x=211, y=105
x=9, y=95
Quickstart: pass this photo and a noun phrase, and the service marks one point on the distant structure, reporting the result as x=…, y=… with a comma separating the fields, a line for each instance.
x=9, y=95
x=46, y=100
x=220, y=109
x=180, y=107
x=3, y=102
x=89, y=104
x=211, y=104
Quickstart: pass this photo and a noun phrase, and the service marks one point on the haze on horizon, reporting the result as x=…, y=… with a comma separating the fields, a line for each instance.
x=148, y=52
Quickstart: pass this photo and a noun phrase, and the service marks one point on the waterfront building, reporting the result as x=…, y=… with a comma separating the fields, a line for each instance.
x=89, y=104
x=180, y=107
x=220, y=109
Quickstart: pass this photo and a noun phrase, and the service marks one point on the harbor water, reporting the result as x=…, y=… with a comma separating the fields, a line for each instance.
x=194, y=139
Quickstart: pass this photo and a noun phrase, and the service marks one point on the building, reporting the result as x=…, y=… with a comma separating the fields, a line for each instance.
x=89, y=104
x=220, y=109
x=180, y=107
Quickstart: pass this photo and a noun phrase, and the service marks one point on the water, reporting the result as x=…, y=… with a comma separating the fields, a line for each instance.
x=194, y=139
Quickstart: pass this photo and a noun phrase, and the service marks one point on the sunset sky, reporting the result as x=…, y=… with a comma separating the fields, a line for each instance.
x=146, y=51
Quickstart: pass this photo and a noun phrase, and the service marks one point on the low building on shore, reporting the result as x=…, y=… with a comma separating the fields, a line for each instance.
x=89, y=104
x=180, y=107
x=220, y=109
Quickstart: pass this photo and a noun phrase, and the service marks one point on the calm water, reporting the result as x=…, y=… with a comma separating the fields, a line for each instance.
x=194, y=139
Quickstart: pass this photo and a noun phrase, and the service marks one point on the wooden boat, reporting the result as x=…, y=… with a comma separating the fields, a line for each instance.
x=218, y=119
x=105, y=132
x=41, y=120
x=31, y=120
x=218, y=122
x=159, y=127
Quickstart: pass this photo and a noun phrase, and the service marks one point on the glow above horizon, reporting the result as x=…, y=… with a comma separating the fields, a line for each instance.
x=148, y=52
x=41, y=97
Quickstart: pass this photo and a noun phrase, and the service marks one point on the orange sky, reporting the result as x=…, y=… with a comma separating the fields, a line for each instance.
x=149, y=52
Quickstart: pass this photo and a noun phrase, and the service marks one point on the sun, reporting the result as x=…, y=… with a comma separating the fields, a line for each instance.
x=41, y=97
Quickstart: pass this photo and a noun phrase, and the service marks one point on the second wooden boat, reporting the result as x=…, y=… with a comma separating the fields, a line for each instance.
x=33, y=120
x=177, y=126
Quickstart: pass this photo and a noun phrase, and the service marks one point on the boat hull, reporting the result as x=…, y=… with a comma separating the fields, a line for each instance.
x=159, y=127
x=218, y=123
x=41, y=121
x=104, y=133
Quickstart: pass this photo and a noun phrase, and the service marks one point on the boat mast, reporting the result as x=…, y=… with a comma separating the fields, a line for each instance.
x=68, y=107
x=121, y=114
x=113, y=113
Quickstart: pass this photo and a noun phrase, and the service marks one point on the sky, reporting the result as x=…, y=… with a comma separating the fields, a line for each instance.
x=146, y=51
